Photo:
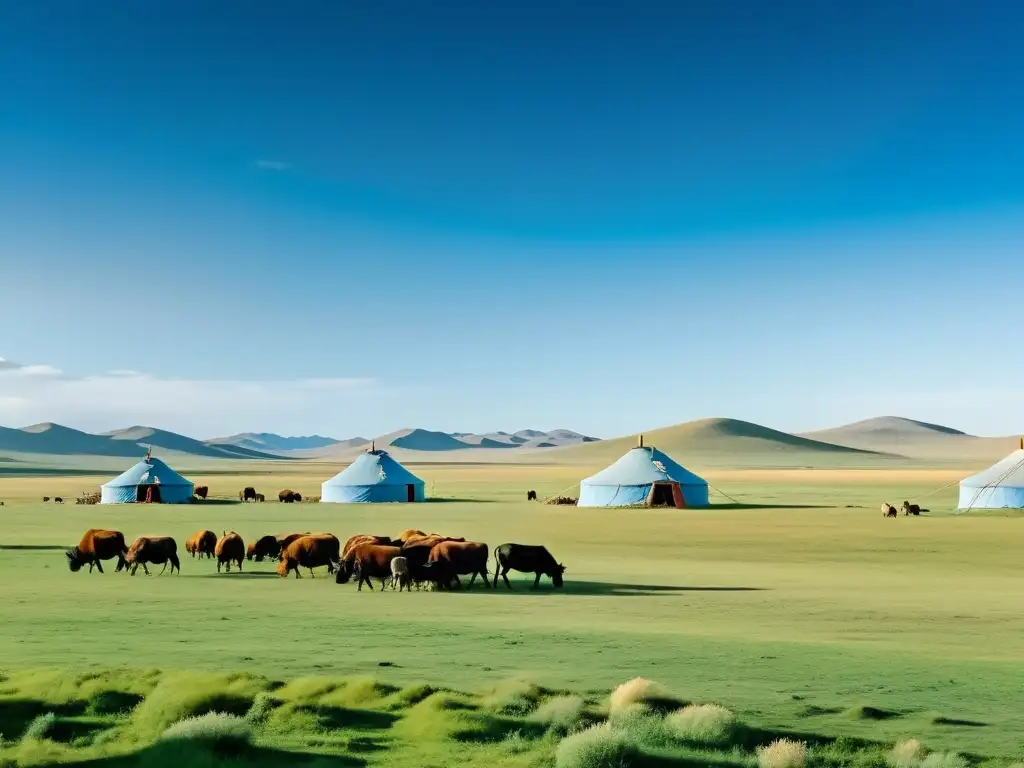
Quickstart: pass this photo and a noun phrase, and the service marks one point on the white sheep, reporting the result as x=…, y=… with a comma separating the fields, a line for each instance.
x=400, y=574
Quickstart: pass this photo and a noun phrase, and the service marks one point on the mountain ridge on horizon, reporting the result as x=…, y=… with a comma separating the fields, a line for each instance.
x=871, y=439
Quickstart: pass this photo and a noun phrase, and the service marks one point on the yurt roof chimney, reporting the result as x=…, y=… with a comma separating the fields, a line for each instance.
x=641, y=444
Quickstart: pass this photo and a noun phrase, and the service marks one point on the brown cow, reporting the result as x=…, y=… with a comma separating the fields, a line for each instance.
x=288, y=496
x=247, y=494
x=310, y=552
x=260, y=497
x=97, y=544
x=201, y=543
x=367, y=561
x=201, y=491
x=284, y=539
x=152, y=549
x=230, y=549
x=450, y=559
x=408, y=533
x=364, y=538
x=266, y=546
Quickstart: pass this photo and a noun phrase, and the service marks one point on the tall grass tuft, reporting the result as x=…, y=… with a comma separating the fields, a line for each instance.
x=944, y=760
x=180, y=696
x=40, y=727
x=782, y=753
x=599, y=746
x=635, y=691
x=705, y=724
x=561, y=714
x=262, y=707
x=513, y=697
x=906, y=754
x=642, y=727
x=215, y=728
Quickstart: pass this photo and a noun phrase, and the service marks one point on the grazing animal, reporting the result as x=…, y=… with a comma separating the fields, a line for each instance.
x=311, y=552
x=201, y=543
x=97, y=544
x=365, y=562
x=284, y=539
x=363, y=538
x=408, y=533
x=451, y=559
x=58, y=500
x=230, y=549
x=266, y=546
x=201, y=491
x=158, y=550
x=526, y=558
x=288, y=496
x=400, y=574
x=888, y=510
x=416, y=551
x=531, y=495
x=46, y=499
x=912, y=509
x=247, y=494
x=260, y=497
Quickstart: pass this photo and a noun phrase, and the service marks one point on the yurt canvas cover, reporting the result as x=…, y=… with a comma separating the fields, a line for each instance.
x=151, y=479
x=645, y=475
x=999, y=486
x=373, y=477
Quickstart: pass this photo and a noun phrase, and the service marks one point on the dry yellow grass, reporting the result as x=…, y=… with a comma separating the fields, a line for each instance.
x=906, y=754
x=782, y=753
x=633, y=692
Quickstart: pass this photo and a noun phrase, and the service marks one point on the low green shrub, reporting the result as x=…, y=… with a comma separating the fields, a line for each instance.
x=705, y=724
x=599, y=746
x=216, y=728
x=40, y=727
x=561, y=714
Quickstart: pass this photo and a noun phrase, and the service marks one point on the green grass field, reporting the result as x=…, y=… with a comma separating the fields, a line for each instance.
x=810, y=615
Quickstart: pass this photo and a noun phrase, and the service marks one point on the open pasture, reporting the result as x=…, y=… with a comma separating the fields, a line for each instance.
x=800, y=608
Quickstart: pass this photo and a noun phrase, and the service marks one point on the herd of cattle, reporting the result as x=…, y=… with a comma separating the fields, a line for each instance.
x=888, y=510
x=415, y=558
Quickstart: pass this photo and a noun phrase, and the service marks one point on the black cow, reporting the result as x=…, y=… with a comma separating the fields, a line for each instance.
x=531, y=495
x=526, y=558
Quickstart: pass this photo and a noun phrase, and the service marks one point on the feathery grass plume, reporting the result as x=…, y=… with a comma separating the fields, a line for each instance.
x=513, y=697
x=944, y=760
x=782, y=753
x=707, y=724
x=515, y=743
x=599, y=746
x=635, y=691
x=561, y=714
x=906, y=754
x=214, y=728
x=262, y=706
x=641, y=726
x=39, y=727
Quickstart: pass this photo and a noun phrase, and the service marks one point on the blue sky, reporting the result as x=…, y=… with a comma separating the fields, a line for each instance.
x=355, y=217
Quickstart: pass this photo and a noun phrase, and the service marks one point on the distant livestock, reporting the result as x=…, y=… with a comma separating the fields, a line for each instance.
x=97, y=544
x=288, y=496
x=365, y=562
x=157, y=550
x=266, y=546
x=888, y=510
x=247, y=494
x=451, y=559
x=260, y=497
x=46, y=499
x=400, y=574
x=320, y=549
x=201, y=491
x=912, y=509
x=58, y=500
x=531, y=495
x=526, y=558
x=201, y=544
x=230, y=549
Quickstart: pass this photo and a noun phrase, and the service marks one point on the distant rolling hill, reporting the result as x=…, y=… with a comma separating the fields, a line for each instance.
x=50, y=439
x=724, y=442
x=916, y=439
x=269, y=442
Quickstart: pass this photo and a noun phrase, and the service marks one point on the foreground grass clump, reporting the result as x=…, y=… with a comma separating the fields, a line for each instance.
x=214, y=728
x=944, y=760
x=782, y=753
x=184, y=695
x=906, y=754
x=639, y=690
x=599, y=746
x=704, y=724
x=40, y=727
x=561, y=714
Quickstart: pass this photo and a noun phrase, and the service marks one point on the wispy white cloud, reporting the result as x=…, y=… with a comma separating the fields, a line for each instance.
x=273, y=165
x=200, y=407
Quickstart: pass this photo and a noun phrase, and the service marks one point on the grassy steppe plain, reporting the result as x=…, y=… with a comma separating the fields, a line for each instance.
x=803, y=614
